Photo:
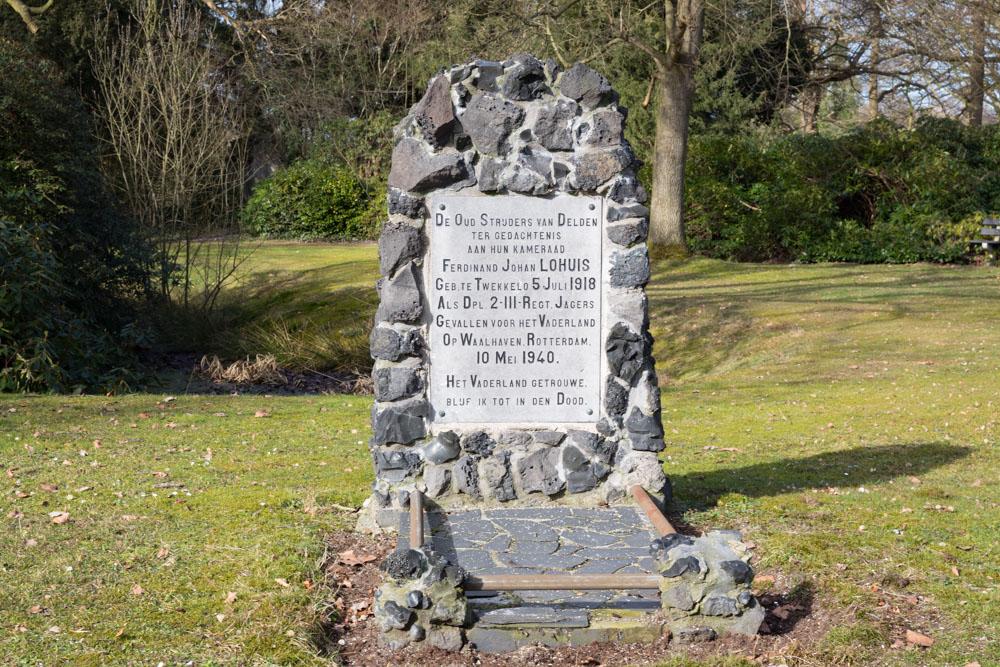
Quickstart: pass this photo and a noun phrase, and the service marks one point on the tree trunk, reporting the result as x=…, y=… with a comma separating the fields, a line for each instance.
x=977, y=67
x=673, y=106
x=873, y=82
x=811, y=99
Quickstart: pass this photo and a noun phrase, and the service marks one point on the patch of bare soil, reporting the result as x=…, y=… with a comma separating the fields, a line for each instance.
x=793, y=625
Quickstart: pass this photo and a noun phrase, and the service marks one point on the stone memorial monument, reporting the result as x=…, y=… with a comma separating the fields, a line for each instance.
x=514, y=383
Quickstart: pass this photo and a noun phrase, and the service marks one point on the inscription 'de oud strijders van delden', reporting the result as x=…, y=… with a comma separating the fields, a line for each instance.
x=515, y=301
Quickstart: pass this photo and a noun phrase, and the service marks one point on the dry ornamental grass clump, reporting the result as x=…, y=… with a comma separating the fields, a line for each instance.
x=263, y=369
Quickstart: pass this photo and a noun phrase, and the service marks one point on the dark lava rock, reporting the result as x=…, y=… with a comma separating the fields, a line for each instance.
x=497, y=475
x=584, y=85
x=415, y=600
x=434, y=112
x=629, y=268
x=466, y=473
x=625, y=188
x=548, y=438
x=580, y=475
x=396, y=617
x=404, y=203
x=538, y=472
x=397, y=244
x=629, y=231
x=697, y=634
x=625, y=352
x=720, y=606
x=400, y=297
x=738, y=570
x=682, y=565
x=594, y=167
x=395, y=382
x=414, y=167
x=553, y=125
x=489, y=120
x=479, y=443
x=404, y=565
x=525, y=79
x=396, y=465
x=392, y=345
x=615, y=398
x=401, y=422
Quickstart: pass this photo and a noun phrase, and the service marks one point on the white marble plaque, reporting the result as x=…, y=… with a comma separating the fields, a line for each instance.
x=514, y=289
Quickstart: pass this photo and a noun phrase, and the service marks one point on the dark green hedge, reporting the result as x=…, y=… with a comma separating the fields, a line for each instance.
x=71, y=267
x=335, y=191
x=880, y=193
x=309, y=199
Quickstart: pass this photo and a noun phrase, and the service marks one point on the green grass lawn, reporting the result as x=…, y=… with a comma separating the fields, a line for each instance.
x=847, y=417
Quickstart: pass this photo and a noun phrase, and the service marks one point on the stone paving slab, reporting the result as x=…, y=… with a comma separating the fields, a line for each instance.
x=547, y=540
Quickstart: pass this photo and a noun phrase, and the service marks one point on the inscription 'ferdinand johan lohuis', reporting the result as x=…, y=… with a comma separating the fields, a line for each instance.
x=521, y=331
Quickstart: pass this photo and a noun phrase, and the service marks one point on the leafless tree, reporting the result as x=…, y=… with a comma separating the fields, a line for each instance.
x=176, y=134
x=669, y=34
x=937, y=56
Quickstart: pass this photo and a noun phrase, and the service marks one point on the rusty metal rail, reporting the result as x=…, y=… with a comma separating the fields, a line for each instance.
x=553, y=582
x=560, y=582
x=416, y=519
x=660, y=522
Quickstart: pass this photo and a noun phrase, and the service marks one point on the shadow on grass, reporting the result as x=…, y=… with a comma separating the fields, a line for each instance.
x=784, y=611
x=862, y=465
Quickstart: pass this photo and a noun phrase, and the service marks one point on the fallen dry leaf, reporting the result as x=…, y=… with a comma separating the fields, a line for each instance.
x=281, y=582
x=350, y=558
x=160, y=474
x=35, y=609
x=59, y=518
x=137, y=590
x=163, y=553
x=919, y=639
x=262, y=413
x=51, y=488
x=230, y=597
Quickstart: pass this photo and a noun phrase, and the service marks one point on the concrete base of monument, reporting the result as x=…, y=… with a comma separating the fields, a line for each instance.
x=703, y=593
x=595, y=626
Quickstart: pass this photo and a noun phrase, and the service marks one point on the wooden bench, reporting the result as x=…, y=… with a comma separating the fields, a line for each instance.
x=990, y=240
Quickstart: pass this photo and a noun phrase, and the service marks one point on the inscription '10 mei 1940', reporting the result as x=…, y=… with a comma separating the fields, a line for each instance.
x=515, y=300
